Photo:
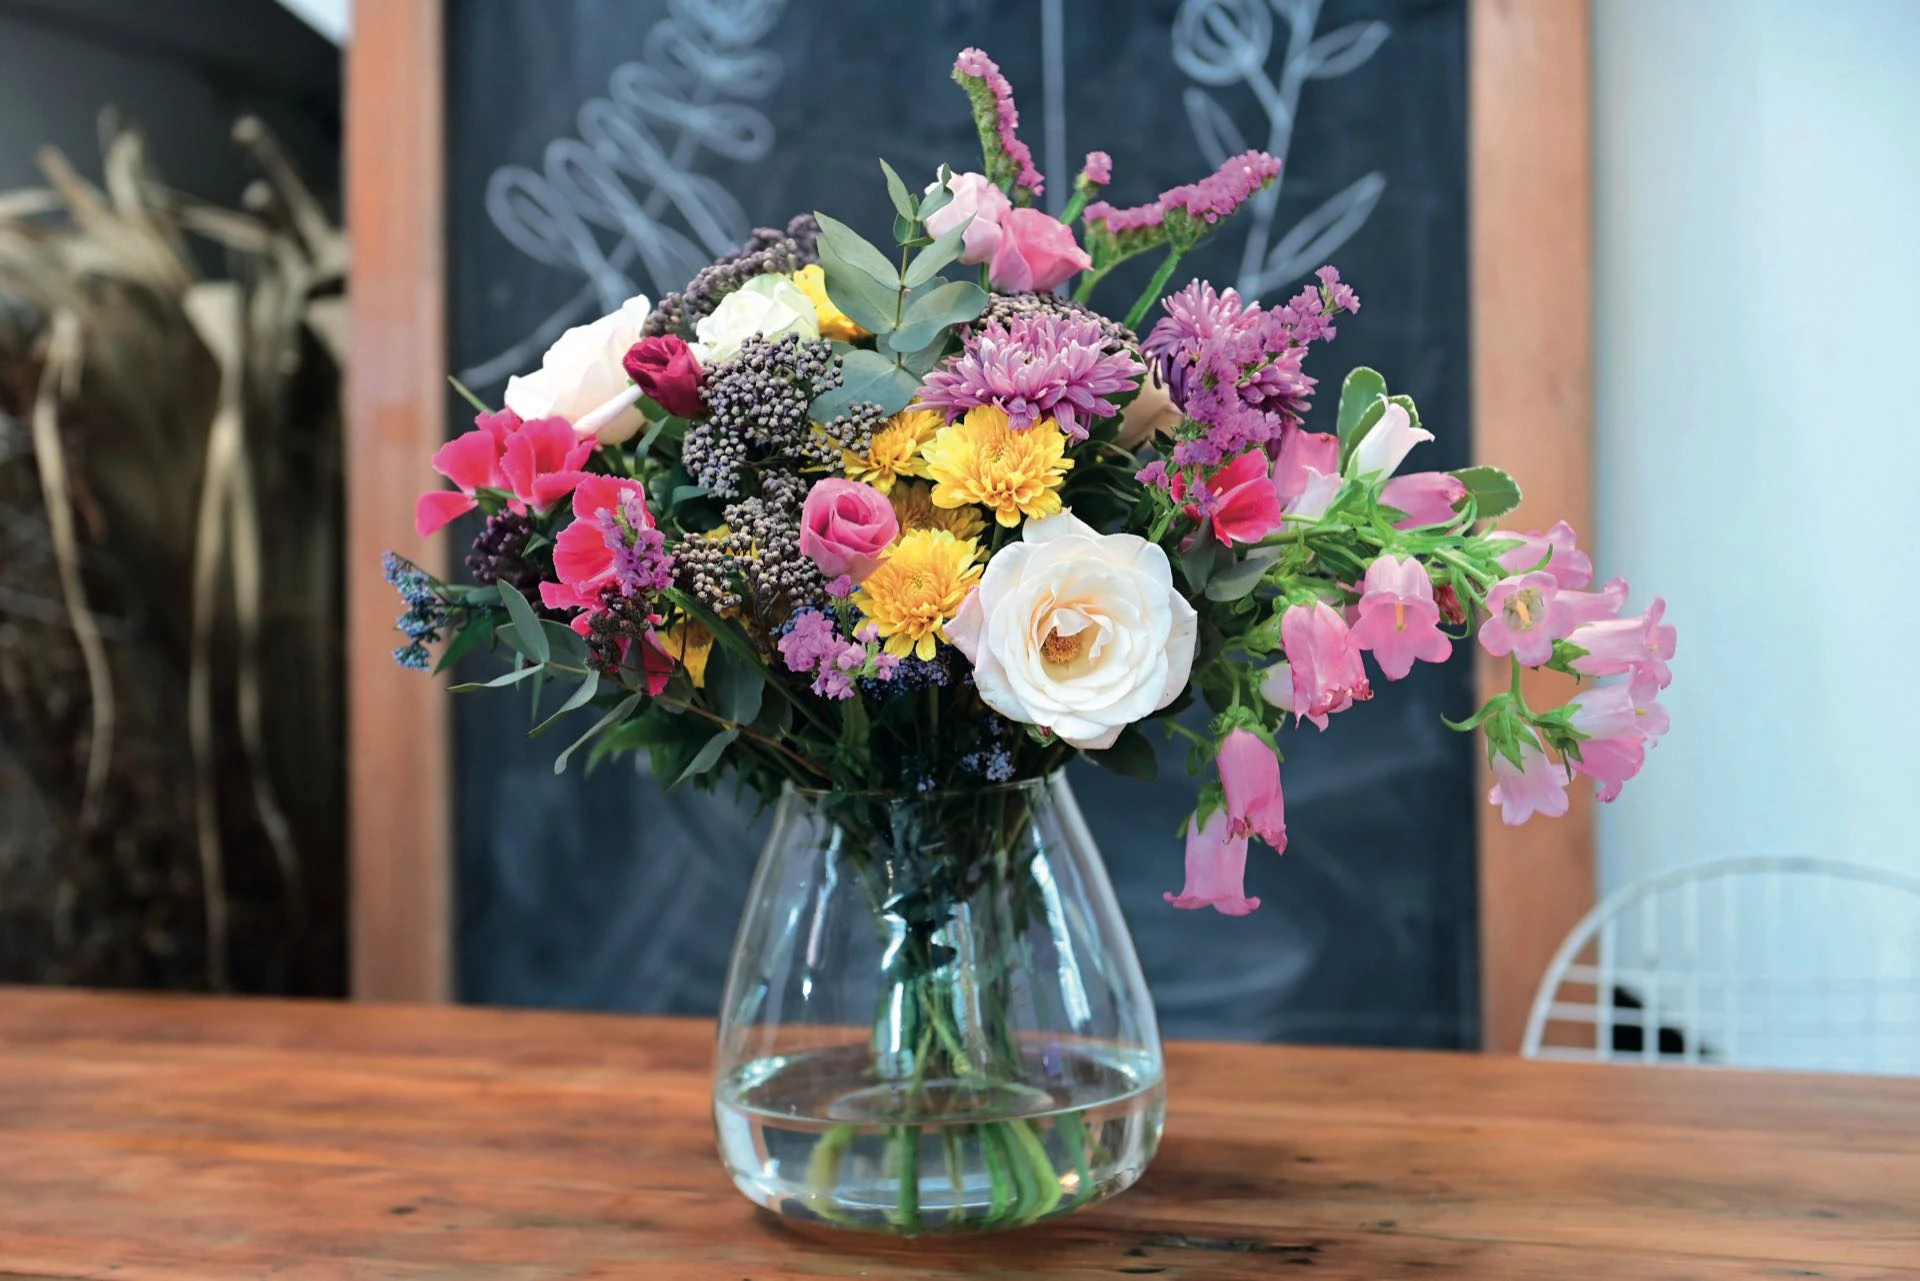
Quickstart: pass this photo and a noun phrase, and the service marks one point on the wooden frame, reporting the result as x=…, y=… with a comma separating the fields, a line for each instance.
x=1531, y=241
x=397, y=721
x=1531, y=245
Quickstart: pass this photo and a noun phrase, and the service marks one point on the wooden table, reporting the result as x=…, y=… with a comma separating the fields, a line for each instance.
x=149, y=1137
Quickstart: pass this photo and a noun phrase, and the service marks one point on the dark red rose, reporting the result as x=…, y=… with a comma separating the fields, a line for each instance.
x=664, y=368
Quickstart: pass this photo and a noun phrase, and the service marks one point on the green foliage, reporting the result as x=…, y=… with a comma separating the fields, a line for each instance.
x=581, y=696
x=735, y=687
x=619, y=713
x=867, y=375
x=903, y=201
x=1131, y=755
x=1363, y=399
x=528, y=636
x=930, y=261
x=931, y=315
x=708, y=756
x=1492, y=492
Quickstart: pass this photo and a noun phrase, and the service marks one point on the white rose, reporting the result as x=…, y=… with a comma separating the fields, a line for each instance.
x=582, y=373
x=1079, y=632
x=769, y=306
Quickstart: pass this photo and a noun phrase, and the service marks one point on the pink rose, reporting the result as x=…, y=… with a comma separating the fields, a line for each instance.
x=1037, y=252
x=844, y=527
x=977, y=198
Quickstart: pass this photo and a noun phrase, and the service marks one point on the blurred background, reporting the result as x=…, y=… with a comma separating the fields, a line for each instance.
x=1655, y=256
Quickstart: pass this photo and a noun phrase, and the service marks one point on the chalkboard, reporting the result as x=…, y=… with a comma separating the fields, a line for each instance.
x=601, y=148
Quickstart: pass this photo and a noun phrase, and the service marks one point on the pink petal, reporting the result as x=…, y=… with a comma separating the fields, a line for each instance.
x=470, y=460
x=581, y=557
x=552, y=487
x=435, y=510
x=1216, y=870
x=1250, y=776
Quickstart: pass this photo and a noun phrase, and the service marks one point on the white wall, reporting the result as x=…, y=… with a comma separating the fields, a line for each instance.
x=1757, y=256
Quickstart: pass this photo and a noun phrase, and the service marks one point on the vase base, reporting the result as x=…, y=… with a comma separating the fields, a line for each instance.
x=815, y=1137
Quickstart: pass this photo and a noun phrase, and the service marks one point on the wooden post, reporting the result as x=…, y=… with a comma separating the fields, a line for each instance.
x=397, y=720
x=1531, y=241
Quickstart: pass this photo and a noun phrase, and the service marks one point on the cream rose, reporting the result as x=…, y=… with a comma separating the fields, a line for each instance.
x=1079, y=632
x=768, y=306
x=582, y=374
x=1151, y=413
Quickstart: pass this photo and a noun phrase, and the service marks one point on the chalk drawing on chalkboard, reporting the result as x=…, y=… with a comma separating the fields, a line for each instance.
x=631, y=170
x=1223, y=42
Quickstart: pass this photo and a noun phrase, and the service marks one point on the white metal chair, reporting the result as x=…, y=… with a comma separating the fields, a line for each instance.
x=1781, y=962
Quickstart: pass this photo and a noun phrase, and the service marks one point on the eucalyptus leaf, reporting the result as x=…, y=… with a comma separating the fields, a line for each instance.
x=1238, y=581
x=855, y=251
x=950, y=304
x=734, y=686
x=471, y=633
x=937, y=196
x=531, y=640
x=708, y=756
x=566, y=646
x=929, y=261
x=867, y=376
x=1131, y=756
x=1363, y=393
x=513, y=677
x=1494, y=493
x=619, y=713
x=1203, y=560
x=872, y=303
x=919, y=362
x=898, y=193
x=581, y=696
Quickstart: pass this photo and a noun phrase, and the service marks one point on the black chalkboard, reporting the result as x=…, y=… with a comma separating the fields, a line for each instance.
x=601, y=148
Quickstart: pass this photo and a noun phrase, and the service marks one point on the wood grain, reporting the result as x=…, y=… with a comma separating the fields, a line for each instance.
x=168, y=1139
x=1531, y=241
x=397, y=744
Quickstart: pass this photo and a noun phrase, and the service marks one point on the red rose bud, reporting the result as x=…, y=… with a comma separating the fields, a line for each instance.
x=664, y=368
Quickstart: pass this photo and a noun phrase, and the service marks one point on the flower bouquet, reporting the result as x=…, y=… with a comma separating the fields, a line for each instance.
x=887, y=533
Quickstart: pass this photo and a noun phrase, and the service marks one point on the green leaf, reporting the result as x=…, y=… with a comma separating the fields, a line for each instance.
x=871, y=303
x=1406, y=403
x=735, y=687
x=1203, y=560
x=708, y=756
x=1131, y=755
x=926, y=319
x=471, y=633
x=848, y=246
x=1362, y=402
x=919, y=362
x=513, y=677
x=618, y=714
x=531, y=639
x=939, y=196
x=1238, y=581
x=580, y=697
x=1491, y=490
x=567, y=646
x=927, y=263
x=897, y=192
x=867, y=375
x=1491, y=706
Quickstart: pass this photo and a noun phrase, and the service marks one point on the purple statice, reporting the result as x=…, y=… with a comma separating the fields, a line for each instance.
x=641, y=562
x=1224, y=190
x=1098, y=170
x=812, y=645
x=1120, y=221
x=1008, y=158
x=1036, y=366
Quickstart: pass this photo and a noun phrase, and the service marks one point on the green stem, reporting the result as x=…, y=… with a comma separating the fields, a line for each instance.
x=1151, y=294
x=906, y=1140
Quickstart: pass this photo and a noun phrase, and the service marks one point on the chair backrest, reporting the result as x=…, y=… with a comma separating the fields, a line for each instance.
x=1780, y=962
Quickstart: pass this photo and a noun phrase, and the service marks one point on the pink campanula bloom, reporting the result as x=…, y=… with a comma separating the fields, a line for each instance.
x=1250, y=776
x=1240, y=500
x=1306, y=477
x=1619, y=708
x=1324, y=668
x=845, y=526
x=1427, y=497
x=1525, y=618
x=537, y=462
x=1037, y=252
x=1381, y=451
x=1399, y=617
x=1570, y=567
x=1610, y=762
x=1594, y=607
x=1538, y=785
x=1639, y=645
x=975, y=197
x=1216, y=869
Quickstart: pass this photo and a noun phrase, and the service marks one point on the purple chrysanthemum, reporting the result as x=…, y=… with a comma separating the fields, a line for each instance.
x=1036, y=366
x=975, y=65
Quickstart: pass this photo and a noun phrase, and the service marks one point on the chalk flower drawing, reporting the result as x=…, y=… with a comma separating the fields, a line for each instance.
x=1223, y=42
x=632, y=170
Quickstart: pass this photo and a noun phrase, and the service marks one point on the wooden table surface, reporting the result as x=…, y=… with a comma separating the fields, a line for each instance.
x=152, y=1137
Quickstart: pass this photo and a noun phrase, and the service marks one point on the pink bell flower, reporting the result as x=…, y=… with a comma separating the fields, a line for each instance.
x=1382, y=450
x=1324, y=671
x=1594, y=607
x=1639, y=645
x=1399, y=618
x=1610, y=762
x=1216, y=869
x=1570, y=567
x=1537, y=785
x=537, y=462
x=1250, y=776
x=1524, y=618
x=1619, y=708
x=1427, y=497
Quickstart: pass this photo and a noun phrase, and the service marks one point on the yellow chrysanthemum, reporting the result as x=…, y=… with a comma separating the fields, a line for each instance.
x=895, y=451
x=689, y=644
x=834, y=323
x=919, y=584
x=913, y=507
x=981, y=460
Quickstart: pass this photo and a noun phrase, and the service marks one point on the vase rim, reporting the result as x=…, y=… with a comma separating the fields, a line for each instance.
x=1029, y=783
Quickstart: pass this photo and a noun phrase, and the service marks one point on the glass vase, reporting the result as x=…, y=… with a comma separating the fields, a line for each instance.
x=934, y=1019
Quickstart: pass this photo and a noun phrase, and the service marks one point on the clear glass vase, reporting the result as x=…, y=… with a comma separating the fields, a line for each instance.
x=934, y=1019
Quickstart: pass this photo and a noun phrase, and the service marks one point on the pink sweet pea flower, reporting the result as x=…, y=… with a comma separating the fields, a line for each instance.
x=1536, y=786
x=1638, y=645
x=1399, y=618
x=1036, y=252
x=1216, y=870
x=1381, y=451
x=1524, y=618
x=1241, y=500
x=1250, y=776
x=537, y=462
x=584, y=553
x=1427, y=497
x=1324, y=671
x=1570, y=567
